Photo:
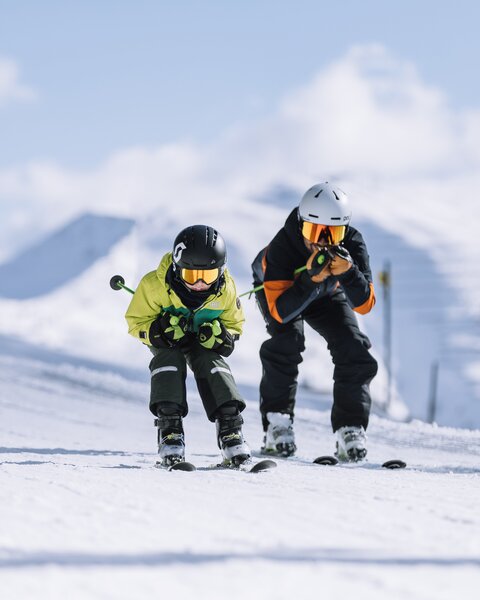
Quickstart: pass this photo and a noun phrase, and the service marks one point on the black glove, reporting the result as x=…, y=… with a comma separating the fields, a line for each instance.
x=167, y=330
x=214, y=336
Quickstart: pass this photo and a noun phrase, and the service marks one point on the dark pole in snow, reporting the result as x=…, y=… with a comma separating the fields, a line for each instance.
x=432, y=399
x=385, y=281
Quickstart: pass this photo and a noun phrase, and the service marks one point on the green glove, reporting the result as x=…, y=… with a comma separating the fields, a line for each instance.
x=173, y=327
x=212, y=334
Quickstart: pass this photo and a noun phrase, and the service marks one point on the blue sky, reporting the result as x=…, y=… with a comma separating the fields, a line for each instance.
x=105, y=75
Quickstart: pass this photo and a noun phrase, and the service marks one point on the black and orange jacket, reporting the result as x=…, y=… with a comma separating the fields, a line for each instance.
x=288, y=295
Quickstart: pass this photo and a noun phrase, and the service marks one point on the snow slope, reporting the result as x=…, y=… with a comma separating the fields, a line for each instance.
x=85, y=515
x=61, y=257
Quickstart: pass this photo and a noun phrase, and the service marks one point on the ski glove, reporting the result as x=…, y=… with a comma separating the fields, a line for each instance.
x=318, y=265
x=214, y=336
x=167, y=330
x=341, y=261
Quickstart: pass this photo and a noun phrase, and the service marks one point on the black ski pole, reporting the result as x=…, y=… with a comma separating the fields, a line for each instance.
x=117, y=282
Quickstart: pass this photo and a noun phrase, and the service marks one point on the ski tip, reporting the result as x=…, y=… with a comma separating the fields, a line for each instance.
x=263, y=465
x=182, y=466
x=395, y=463
x=326, y=460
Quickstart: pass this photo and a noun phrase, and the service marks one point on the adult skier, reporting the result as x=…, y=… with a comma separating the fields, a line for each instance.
x=188, y=313
x=337, y=282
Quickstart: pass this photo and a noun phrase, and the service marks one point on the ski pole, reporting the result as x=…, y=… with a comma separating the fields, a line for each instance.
x=320, y=260
x=117, y=282
x=260, y=287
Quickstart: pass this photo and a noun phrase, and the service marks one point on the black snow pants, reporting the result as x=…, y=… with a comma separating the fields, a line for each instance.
x=354, y=366
x=214, y=379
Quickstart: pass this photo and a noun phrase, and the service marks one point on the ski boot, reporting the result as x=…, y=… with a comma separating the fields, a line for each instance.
x=171, y=440
x=351, y=444
x=235, y=450
x=279, y=438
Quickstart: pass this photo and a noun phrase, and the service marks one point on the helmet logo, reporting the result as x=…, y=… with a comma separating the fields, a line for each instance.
x=178, y=251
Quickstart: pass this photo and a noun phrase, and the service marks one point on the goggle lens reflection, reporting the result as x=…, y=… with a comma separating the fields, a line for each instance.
x=191, y=276
x=330, y=234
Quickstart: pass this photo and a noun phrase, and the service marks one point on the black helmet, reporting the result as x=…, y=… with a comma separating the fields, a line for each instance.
x=199, y=249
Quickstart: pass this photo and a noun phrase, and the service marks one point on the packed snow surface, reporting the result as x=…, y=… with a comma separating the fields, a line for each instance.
x=86, y=516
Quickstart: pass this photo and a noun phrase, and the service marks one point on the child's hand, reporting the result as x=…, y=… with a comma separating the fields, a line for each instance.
x=172, y=327
x=212, y=335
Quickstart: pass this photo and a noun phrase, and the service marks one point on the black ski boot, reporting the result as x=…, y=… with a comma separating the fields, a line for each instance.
x=171, y=439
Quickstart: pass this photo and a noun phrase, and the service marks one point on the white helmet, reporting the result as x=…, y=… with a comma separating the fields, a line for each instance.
x=325, y=204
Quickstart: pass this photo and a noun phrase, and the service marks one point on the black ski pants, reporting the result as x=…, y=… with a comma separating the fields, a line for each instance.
x=214, y=379
x=354, y=366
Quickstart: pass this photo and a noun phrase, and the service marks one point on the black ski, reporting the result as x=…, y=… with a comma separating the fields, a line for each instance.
x=394, y=463
x=178, y=466
x=262, y=465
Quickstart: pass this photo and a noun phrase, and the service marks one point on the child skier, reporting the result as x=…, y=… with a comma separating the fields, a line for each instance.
x=187, y=312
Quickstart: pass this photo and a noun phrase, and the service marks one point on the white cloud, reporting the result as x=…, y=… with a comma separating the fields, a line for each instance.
x=11, y=89
x=367, y=117
x=366, y=113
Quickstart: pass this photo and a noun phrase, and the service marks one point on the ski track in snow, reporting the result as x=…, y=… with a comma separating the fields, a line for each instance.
x=85, y=515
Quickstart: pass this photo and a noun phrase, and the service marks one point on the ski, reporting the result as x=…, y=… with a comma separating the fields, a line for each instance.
x=248, y=467
x=263, y=465
x=328, y=460
x=178, y=466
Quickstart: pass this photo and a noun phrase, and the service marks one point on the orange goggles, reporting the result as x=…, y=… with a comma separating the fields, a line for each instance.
x=191, y=276
x=330, y=234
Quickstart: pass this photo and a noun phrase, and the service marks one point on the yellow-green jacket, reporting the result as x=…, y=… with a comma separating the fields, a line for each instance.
x=154, y=295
